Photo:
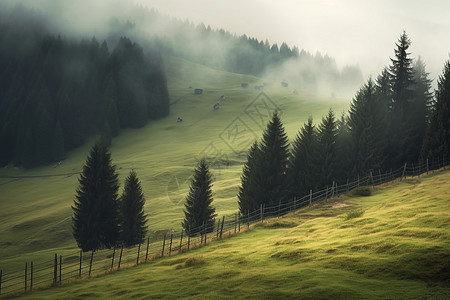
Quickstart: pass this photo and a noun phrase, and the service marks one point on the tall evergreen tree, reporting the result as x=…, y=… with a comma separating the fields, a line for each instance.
x=367, y=119
x=248, y=189
x=344, y=156
x=302, y=162
x=133, y=219
x=437, y=140
x=383, y=89
x=272, y=186
x=96, y=210
x=401, y=73
x=198, y=206
x=326, y=158
x=417, y=116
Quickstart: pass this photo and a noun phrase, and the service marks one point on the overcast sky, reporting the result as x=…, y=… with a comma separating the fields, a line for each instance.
x=352, y=31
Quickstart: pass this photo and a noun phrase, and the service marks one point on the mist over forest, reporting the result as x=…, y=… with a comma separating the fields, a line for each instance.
x=82, y=69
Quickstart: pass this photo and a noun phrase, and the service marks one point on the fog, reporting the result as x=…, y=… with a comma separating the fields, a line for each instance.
x=352, y=31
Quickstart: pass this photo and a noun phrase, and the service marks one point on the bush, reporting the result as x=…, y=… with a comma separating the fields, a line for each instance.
x=354, y=214
x=362, y=191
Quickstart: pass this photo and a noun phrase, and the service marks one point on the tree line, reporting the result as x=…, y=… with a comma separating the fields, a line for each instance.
x=222, y=50
x=392, y=120
x=56, y=92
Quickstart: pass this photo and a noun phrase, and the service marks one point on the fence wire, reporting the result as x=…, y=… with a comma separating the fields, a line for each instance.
x=63, y=268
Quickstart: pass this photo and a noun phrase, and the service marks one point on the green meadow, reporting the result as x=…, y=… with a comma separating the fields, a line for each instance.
x=35, y=211
x=394, y=244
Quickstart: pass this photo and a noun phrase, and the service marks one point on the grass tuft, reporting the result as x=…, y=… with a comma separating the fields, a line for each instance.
x=354, y=214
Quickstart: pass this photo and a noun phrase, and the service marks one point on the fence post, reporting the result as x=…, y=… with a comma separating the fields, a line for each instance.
x=81, y=259
x=371, y=179
x=279, y=208
x=181, y=240
x=358, y=179
x=248, y=219
x=189, y=236
x=26, y=271
x=163, y=245
x=139, y=251
x=332, y=188
x=120, y=257
x=217, y=230
x=404, y=170
x=90, y=263
x=261, y=212
x=112, y=260
x=170, y=246
x=201, y=232
x=310, y=197
x=239, y=222
x=189, y=241
x=31, y=276
x=60, y=268
x=146, y=252
x=235, y=222
x=221, y=227
x=205, y=230
x=55, y=268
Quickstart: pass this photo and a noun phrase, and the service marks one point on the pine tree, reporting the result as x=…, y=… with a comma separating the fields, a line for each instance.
x=326, y=158
x=95, y=210
x=133, y=219
x=272, y=186
x=367, y=128
x=302, y=162
x=198, y=208
x=437, y=140
x=401, y=73
x=343, y=150
x=417, y=116
x=247, y=191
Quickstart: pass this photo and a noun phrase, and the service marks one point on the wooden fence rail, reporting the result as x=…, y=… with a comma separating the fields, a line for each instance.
x=63, y=268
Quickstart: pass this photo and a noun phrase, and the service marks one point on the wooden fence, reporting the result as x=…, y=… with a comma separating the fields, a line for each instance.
x=76, y=265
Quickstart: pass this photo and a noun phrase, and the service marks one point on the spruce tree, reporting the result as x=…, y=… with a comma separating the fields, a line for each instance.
x=417, y=116
x=401, y=78
x=302, y=162
x=367, y=118
x=248, y=189
x=343, y=150
x=272, y=186
x=95, y=210
x=326, y=158
x=133, y=221
x=401, y=72
x=198, y=206
x=437, y=140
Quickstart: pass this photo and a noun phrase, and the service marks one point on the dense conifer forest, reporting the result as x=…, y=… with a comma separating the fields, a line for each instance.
x=55, y=92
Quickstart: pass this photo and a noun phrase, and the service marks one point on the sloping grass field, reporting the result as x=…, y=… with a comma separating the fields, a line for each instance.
x=35, y=208
x=394, y=244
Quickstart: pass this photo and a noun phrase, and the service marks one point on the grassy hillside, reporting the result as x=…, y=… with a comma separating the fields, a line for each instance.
x=35, y=213
x=394, y=244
